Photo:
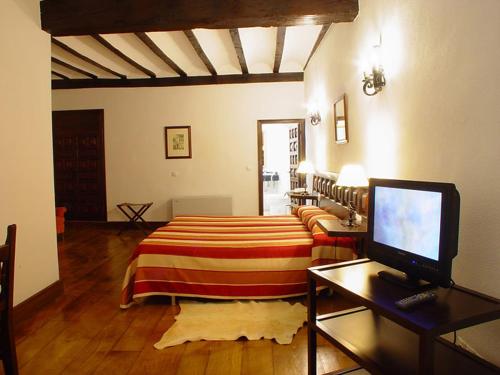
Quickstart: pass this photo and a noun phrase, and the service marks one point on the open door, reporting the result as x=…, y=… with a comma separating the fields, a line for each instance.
x=281, y=146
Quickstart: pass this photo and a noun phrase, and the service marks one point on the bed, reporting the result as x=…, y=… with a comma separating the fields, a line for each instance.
x=232, y=257
x=242, y=257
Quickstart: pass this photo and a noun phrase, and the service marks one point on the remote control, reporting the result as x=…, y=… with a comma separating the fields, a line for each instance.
x=416, y=299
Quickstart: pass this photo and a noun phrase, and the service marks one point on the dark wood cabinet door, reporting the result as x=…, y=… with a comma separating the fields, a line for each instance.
x=297, y=150
x=79, y=163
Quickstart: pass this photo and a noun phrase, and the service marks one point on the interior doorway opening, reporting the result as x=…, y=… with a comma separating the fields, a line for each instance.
x=281, y=146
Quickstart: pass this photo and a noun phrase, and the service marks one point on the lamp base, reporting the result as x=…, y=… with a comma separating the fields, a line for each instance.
x=351, y=217
x=349, y=223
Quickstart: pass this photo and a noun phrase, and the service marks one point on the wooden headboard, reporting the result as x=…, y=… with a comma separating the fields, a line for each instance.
x=334, y=195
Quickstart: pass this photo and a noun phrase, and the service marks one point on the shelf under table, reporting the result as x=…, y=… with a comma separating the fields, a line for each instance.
x=376, y=342
x=383, y=346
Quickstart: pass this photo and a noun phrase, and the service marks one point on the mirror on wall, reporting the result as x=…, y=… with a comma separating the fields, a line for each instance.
x=340, y=120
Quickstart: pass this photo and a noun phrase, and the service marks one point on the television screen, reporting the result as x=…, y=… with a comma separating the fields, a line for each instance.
x=413, y=228
x=409, y=220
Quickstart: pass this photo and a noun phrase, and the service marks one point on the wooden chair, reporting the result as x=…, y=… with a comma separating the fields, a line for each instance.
x=60, y=211
x=7, y=342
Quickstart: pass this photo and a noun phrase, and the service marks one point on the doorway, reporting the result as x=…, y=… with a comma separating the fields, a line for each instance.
x=281, y=147
x=79, y=163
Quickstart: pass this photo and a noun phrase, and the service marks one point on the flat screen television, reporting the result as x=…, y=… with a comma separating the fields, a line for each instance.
x=413, y=228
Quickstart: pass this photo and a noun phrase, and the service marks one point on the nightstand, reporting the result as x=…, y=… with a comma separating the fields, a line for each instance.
x=334, y=228
x=301, y=198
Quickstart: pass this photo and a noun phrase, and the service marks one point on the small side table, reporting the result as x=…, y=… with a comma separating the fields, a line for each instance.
x=301, y=198
x=134, y=212
x=334, y=228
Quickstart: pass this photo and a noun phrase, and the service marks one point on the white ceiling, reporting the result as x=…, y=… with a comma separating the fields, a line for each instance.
x=258, y=43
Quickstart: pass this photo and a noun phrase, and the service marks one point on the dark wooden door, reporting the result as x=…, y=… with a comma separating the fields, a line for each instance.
x=79, y=164
x=297, y=140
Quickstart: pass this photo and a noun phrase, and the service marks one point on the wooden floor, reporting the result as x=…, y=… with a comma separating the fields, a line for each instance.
x=85, y=332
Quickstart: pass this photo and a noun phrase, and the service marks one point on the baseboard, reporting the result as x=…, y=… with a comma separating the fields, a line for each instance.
x=119, y=224
x=26, y=309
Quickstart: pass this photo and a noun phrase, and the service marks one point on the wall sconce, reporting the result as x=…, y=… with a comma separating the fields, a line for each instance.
x=315, y=118
x=374, y=82
x=313, y=111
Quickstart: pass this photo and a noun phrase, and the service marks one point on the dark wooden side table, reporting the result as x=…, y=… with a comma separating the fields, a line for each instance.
x=134, y=212
x=334, y=228
x=386, y=340
x=302, y=198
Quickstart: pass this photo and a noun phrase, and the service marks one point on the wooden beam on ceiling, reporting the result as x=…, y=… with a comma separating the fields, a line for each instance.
x=74, y=68
x=178, y=81
x=84, y=17
x=120, y=54
x=235, y=36
x=60, y=75
x=201, y=54
x=158, y=52
x=280, y=43
x=321, y=35
x=85, y=58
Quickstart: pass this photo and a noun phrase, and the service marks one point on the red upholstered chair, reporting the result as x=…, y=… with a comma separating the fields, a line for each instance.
x=7, y=342
x=60, y=211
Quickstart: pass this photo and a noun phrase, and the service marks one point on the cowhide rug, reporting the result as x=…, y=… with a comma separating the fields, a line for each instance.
x=231, y=320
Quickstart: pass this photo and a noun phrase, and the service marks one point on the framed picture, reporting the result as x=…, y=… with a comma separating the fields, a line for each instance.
x=177, y=142
x=340, y=120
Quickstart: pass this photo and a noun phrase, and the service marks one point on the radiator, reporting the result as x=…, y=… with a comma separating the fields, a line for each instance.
x=202, y=205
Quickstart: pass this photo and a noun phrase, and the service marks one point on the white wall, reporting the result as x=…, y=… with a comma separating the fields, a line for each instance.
x=437, y=119
x=223, y=120
x=26, y=187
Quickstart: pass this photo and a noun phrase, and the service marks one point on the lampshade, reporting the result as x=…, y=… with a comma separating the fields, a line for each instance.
x=352, y=175
x=305, y=167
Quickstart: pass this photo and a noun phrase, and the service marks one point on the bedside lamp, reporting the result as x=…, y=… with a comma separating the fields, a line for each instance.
x=352, y=175
x=305, y=168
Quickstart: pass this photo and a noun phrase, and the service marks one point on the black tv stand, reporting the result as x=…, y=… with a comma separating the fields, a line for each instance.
x=404, y=280
x=386, y=340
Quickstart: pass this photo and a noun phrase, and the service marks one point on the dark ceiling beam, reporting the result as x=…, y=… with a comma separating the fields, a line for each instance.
x=60, y=75
x=85, y=58
x=178, y=81
x=85, y=17
x=201, y=54
x=120, y=54
x=235, y=36
x=158, y=52
x=280, y=43
x=321, y=35
x=74, y=68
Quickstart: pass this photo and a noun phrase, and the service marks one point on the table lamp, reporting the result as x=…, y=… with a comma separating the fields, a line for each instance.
x=305, y=168
x=353, y=176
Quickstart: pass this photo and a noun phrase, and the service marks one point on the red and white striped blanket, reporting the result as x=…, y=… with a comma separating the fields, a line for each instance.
x=236, y=257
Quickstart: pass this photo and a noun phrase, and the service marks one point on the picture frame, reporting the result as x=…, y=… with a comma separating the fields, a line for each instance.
x=340, y=120
x=178, y=142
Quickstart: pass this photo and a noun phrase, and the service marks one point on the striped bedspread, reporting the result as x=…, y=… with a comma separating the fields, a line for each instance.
x=229, y=257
